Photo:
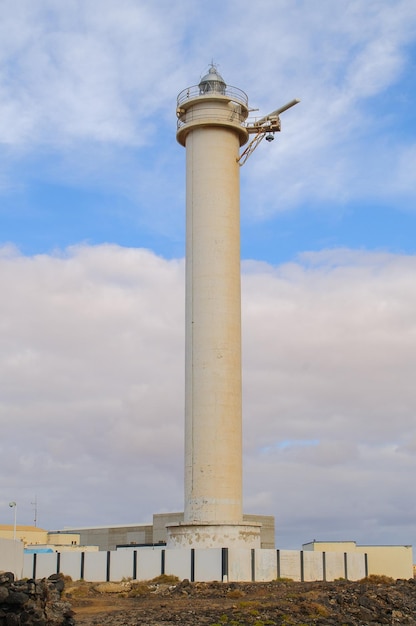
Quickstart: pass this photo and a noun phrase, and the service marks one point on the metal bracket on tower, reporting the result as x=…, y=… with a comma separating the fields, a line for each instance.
x=265, y=127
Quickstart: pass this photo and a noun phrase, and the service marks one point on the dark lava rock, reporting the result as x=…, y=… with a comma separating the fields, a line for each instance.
x=33, y=603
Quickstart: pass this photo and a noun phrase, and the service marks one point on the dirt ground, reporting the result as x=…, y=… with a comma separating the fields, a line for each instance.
x=168, y=603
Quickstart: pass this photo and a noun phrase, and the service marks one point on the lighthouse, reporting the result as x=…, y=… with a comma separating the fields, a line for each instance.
x=211, y=125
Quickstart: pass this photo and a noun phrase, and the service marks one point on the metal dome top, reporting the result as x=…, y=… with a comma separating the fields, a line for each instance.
x=213, y=81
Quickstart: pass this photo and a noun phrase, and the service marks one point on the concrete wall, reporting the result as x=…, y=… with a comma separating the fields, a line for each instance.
x=267, y=531
x=220, y=564
x=64, y=539
x=160, y=521
x=109, y=537
x=11, y=556
x=393, y=561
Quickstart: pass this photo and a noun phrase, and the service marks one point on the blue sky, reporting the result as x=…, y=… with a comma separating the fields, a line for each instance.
x=92, y=212
x=89, y=148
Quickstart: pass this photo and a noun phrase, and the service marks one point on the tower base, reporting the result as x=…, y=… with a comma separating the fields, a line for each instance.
x=213, y=535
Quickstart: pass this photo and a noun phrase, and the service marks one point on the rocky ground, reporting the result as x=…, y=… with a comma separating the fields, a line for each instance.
x=29, y=602
x=165, y=602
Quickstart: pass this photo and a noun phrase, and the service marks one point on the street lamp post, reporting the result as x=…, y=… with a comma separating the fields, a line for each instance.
x=13, y=505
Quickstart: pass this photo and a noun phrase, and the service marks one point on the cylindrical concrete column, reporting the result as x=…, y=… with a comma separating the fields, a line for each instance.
x=213, y=455
x=211, y=126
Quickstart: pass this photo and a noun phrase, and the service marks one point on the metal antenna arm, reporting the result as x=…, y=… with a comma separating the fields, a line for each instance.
x=265, y=126
x=251, y=147
x=277, y=112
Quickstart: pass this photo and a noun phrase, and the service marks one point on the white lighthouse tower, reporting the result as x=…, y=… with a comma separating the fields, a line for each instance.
x=212, y=127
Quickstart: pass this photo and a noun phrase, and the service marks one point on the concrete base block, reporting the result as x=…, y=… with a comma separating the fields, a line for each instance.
x=209, y=535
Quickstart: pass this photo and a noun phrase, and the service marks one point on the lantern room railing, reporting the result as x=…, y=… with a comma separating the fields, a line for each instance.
x=214, y=87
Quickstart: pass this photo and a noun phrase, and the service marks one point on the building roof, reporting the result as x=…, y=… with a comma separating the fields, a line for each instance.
x=32, y=529
x=75, y=529
x=34, y=550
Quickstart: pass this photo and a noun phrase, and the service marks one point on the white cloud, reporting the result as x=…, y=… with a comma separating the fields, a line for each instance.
x=91, y=372
x=74, y=77
x=346, y=63
x=329, y=356
x=74, y=73
x=80, y=336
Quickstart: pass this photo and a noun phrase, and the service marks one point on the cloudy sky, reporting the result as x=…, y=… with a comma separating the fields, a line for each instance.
x=92, y=194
